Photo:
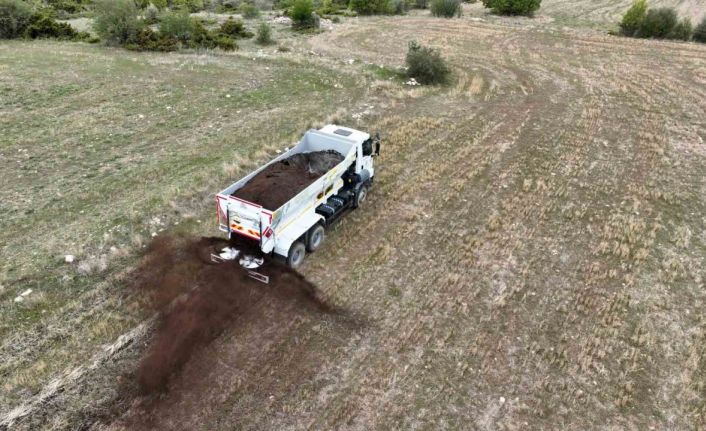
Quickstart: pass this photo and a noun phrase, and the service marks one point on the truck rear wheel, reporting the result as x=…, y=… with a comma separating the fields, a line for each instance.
x=296, y=254
x=315, y=238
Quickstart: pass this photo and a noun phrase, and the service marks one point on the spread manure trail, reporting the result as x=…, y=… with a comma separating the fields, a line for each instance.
x=197, y=300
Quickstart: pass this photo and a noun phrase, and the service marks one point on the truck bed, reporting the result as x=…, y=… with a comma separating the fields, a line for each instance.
x=284, y=179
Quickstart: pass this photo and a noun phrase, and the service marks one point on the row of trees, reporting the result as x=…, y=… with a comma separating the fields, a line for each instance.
x=660, y=23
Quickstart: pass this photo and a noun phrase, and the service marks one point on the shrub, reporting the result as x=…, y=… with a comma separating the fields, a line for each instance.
x=264, y=34
x=328, y=7
x=371, y=7
x=43, y=25
x=151, y=14
x=249, y=10
x=658, y=23
x=425, y=65
x=234, y=28
x=190, y=5
x=64, y=8
x=148, y=40
x=420, y=4
x=700, y=32
x=513, y=7
x=682, y=31
x=116, y=20
x=446, y=8
x=177, y=25
x=15, y=16
x=302, y=14
x=633, y=18
x=398, y=7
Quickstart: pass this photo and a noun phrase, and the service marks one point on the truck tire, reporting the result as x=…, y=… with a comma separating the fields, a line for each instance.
x=296, y=254
x=360, y=196
x=316, y=237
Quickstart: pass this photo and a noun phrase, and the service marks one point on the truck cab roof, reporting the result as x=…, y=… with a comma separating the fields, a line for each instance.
x=346, y=132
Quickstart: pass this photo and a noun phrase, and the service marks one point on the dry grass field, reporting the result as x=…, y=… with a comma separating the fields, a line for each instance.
x=533, y=254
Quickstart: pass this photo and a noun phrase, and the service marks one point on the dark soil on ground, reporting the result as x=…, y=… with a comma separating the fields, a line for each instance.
x=197, y=300
x=281, y=181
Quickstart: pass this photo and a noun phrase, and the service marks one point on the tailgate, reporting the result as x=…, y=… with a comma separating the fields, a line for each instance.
x=242, y=217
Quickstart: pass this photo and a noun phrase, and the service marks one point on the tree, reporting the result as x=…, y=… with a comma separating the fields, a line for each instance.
x=633, y=18
x=513, y=7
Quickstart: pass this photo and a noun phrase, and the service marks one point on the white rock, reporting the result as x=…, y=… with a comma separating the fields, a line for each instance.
x=69, y=258
x=502, y=400
x=26, y=292
x=19, y=299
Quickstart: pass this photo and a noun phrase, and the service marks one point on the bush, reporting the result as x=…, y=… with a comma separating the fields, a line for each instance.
x=177, y=25
x=425, y=65
x=700, y=32
x=190, y=5
x=65, y=8
x=264, y=34
x=658, y=23
x=633, y=18
x=116, y=20
x=43, y=25
x=151, y=14
x=420, y=4
x=303, y=16
x=372, y=7
x=682, y=31
x=513, y=7
x=249, y=10
x=234, y=28
x=446, y=8
x=148, y=40
x=15, y=16
x=398, y=7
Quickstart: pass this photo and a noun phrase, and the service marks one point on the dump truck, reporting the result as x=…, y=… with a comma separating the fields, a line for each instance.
x=327, y=173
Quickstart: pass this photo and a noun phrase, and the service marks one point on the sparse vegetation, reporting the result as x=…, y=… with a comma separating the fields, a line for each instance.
x=426, y=65
x=264, y=34
x=513, y=7
x=446, y=8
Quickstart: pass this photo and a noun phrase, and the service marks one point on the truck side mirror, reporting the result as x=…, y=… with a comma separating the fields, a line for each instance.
x=377, y=144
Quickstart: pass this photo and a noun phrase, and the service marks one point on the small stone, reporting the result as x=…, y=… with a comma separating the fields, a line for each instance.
x=19, y=299
x=69, y=258
x=502, y=400
x=26, y=292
